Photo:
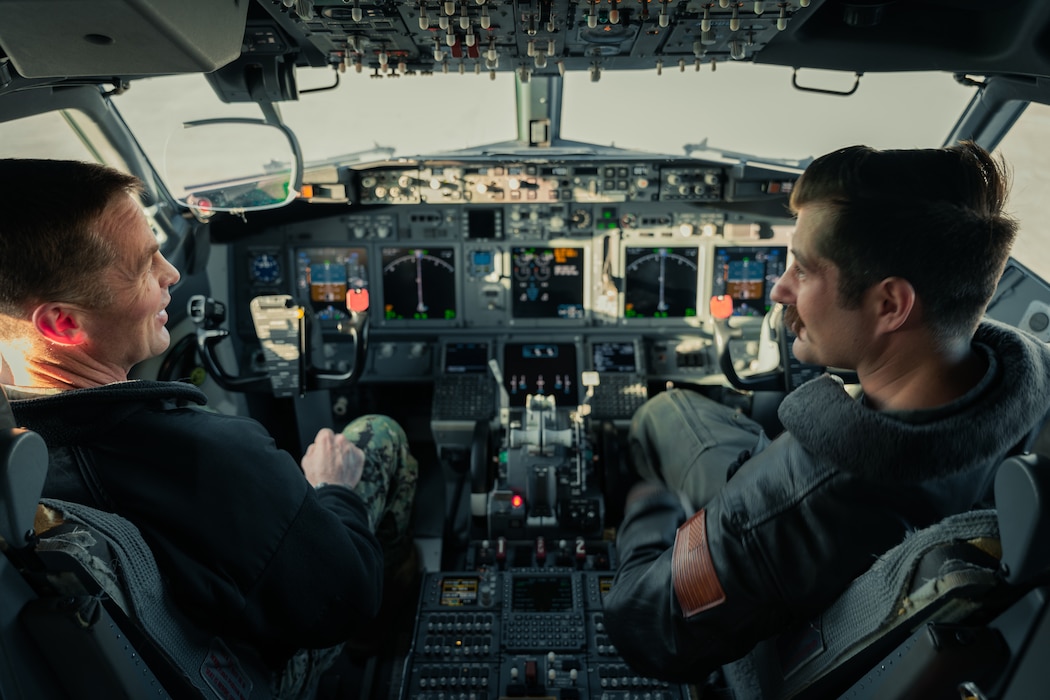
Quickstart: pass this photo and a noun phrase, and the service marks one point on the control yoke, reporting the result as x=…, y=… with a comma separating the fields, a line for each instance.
x=772, y=328
x=775, y=345
x=291, y=343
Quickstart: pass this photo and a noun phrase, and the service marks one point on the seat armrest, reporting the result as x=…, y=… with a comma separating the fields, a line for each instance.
x=1022, y=490
x=23, y=469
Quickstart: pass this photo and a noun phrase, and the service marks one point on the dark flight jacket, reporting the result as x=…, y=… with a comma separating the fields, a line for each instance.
x=813, y=509
x=249, y=549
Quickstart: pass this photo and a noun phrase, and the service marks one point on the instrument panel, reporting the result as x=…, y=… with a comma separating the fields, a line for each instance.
x=415, y=278
x=544, y=255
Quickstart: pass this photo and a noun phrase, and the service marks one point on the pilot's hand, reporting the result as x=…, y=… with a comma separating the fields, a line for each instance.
x=331, y=459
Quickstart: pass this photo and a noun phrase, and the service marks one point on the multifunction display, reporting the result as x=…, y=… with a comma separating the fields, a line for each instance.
x=746, y=274
x=615, y=356
x=333, y=280
x=466, y=358
x=541, y=594
x=458, y=591
x=419, y=284
x=547, y=283
x=660, y=282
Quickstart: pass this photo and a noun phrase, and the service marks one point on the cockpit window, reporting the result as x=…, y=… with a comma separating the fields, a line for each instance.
x=746, y=108
x=51, y=135
x=361, y=119
x=1028, y=201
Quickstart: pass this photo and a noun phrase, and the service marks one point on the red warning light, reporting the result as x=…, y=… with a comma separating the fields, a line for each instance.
x=721, y=306
x=357, y=299
x=516, y=500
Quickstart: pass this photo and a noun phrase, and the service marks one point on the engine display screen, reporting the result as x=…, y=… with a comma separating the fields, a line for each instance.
x=746, y=274
x=333, y=280
x=547, y=283
x=614, y=356
x=541, y=594
x=660, y=282
x=541, y=368
x=419, y=284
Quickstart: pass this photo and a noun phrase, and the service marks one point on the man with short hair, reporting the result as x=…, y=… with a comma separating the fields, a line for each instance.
x=895, y=257
x=255, y=548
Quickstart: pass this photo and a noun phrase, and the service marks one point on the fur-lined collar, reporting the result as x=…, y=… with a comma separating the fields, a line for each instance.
x=78, y=414
x=833, y=426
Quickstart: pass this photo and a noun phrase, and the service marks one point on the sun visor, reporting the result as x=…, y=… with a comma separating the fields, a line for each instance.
x=74, y=38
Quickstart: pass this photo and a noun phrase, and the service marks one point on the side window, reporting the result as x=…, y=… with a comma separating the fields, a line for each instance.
x=47, y=135
x=1025, y=150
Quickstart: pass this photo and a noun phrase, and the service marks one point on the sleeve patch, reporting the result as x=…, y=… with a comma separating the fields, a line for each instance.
x=696, y=583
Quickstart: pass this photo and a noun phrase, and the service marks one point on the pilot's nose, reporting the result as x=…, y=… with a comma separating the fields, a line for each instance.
x=782, y=293
x=169, y=275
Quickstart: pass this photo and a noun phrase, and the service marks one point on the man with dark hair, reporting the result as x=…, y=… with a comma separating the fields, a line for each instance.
x=895, y=257
x=256, y=548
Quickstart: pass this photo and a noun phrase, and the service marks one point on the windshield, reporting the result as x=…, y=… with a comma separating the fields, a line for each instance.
x=739, y=108
x=753, y=109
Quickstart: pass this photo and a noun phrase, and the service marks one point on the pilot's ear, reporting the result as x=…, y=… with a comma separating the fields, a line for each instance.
x=895, y=301
x=59, y=323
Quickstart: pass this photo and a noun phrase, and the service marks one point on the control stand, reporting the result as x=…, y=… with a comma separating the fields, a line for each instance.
x=544, y=485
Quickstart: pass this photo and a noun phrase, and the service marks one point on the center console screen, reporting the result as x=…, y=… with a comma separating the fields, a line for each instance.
x=466, y=358
x=746, y=274
x=333, y=280
x=541, y=368
x=541, y=594
x=419, y=283
x=459, y=591
x=614, y=357
x=660, y=282
x=547, y=283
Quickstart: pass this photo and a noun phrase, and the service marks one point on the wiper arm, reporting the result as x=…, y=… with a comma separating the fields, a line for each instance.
x=797, y=163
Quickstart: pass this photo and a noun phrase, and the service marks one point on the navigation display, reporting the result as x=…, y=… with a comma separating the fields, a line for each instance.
x=747, y=274
x=419, y=284
x=334, y=280
x=541, y=368
x=660, y=282
x=547, y=283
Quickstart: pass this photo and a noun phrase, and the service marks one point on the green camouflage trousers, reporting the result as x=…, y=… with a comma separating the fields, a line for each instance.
x=388, y=488
x=388, y=482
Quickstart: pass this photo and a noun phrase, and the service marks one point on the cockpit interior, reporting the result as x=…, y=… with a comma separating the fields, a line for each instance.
x=511, y=302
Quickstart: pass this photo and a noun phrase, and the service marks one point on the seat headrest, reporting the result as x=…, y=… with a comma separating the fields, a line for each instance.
x=1022, y=489
x=23, y=468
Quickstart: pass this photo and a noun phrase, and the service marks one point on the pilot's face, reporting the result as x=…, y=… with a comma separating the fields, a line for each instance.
x=131, y=328
x=828, y=333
